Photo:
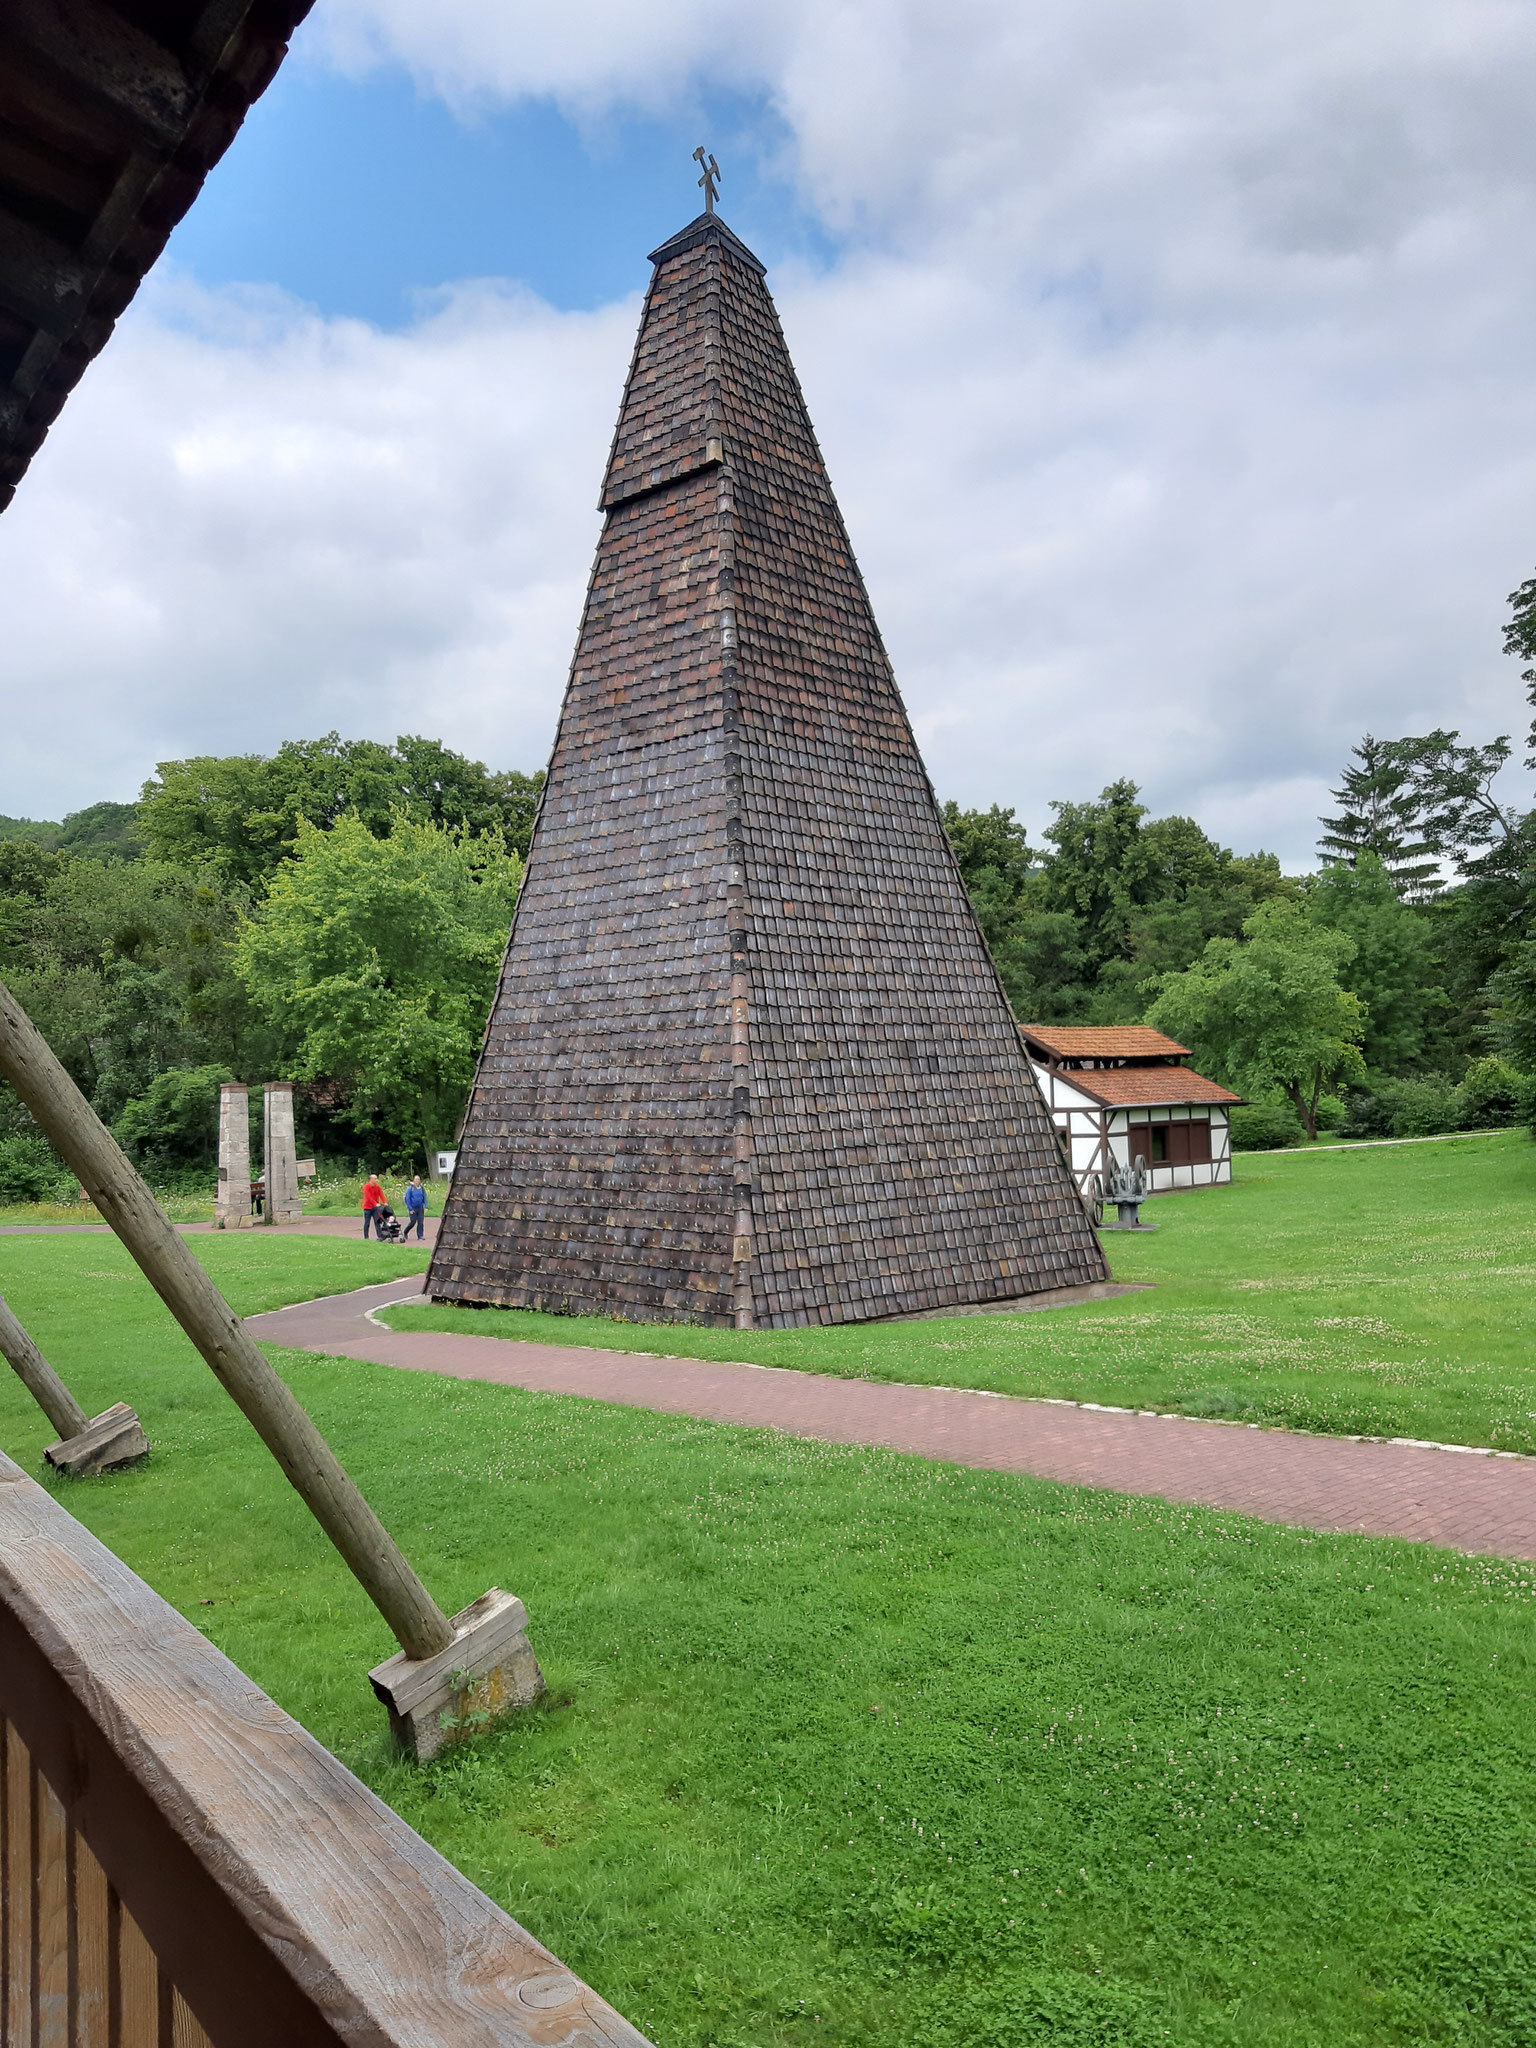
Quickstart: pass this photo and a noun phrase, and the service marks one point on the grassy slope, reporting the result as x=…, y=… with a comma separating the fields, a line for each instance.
x=1257, y=1787
x=1384, y=1292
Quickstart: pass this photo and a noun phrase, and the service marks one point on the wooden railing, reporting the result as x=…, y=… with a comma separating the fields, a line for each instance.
x=182, y=1866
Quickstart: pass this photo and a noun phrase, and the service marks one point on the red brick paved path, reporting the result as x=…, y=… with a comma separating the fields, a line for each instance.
x=1459, y=1500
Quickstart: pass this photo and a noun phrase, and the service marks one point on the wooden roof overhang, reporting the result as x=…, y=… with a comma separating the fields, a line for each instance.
x=1072, y=1046
x=112, y=113
x=1165, y=1087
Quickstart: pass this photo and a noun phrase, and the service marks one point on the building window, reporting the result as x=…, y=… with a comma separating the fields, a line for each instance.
x=1186, y=1144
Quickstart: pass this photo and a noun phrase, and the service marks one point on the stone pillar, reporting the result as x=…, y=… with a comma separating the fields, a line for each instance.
x=232, y=1205
x=281, y=1160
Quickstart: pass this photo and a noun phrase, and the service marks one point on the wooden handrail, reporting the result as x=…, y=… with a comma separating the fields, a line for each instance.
x=175, y=1849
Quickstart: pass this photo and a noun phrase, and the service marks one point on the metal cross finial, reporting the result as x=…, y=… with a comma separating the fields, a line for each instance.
x=710, y=179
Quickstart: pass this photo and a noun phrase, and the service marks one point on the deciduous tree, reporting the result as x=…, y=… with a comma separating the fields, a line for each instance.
x=239, y=814
x=1393, y=969
x=1269, y=1011
x=377, y=959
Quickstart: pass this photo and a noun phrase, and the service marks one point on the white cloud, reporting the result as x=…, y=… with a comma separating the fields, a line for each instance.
x=252, y=524
x=1174, y=376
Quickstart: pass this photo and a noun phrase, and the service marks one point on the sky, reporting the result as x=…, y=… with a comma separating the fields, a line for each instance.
x=1173, y=367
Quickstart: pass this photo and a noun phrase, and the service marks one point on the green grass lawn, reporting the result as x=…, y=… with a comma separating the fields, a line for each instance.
x=1387, y=1292
x=180, y=1209
x=853, y=1751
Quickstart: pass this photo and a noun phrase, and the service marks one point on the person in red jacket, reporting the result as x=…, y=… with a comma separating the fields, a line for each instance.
x=373, y=1200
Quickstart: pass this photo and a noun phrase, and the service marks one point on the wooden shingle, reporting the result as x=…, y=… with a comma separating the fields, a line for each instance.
x=749, y=1062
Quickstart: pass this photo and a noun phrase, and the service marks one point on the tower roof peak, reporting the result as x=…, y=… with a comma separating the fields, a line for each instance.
x=750, y=1062
x=709, y=227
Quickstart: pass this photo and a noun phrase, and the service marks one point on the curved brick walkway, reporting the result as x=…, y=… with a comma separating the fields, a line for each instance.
x=1460, y=1500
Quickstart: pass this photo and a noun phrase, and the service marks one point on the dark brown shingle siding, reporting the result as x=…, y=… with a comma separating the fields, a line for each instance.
x=901, y=1158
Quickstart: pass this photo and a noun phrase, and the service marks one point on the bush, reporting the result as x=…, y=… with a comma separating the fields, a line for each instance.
x=1410, y=1106
x=1330, y=1114
x=1493, y=1096
x=1265, y=1127
x=1365, y=1115
x=29, y=1172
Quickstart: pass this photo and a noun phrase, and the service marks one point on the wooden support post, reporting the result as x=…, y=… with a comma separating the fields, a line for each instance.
x=39, y=1377
x=488, y=1669
x=79, y=1136
x=86, y=1444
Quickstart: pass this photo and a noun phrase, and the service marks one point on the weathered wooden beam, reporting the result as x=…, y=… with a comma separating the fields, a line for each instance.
x=100, y=1443
x=167, y=1262
x=488, y=1669
x=38, y=1376
x=40, y=277
x=453, y=1675
x=108, y=1442
x=97, y=51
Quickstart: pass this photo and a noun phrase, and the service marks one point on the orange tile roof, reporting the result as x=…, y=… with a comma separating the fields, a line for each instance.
x=1104, y=1042
x=1144, y=1087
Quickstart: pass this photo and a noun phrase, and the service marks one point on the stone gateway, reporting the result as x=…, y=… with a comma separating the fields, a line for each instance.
x=749, y=1062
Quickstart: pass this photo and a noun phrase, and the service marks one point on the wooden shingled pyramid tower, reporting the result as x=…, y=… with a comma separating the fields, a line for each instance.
x=749, y=1062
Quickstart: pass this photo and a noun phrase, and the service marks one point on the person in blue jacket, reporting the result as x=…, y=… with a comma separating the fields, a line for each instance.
x=415, y=1207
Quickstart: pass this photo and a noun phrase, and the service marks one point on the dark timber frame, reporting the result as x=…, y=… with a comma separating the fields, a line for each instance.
x=112, y=113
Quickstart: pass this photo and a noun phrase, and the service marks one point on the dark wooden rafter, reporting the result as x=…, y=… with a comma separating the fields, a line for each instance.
x=112, y=113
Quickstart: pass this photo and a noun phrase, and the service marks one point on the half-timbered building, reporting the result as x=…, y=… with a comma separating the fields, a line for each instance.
x=1124, y=1091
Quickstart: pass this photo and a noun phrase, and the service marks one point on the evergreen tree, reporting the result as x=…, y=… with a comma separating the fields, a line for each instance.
x=1382, y=814
x=1458, y=812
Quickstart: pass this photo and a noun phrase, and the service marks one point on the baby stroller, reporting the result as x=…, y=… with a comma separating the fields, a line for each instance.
x=386, y=1224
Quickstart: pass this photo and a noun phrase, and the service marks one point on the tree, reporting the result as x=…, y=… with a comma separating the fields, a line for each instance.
x=1101, y=866
x=175, y=1123
x=989, y=842
x=1044, y=966
x=125, y=966
x=239, y=814
x=1381, y=815
x=1114, y=900
x=1520, y=641
x=993, y=854
x=1269, y=1011
x=1393, y=969
x=1511, y=996
x=377, y=959
x=1457, y=812
x=104, y=831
